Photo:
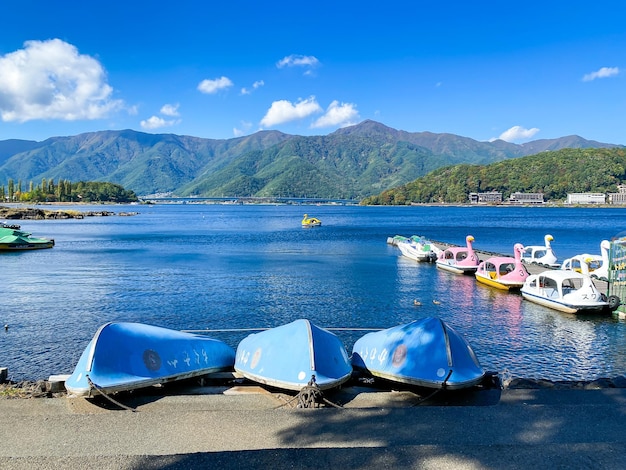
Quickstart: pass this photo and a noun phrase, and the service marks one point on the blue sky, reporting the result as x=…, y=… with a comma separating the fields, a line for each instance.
x=514, y=70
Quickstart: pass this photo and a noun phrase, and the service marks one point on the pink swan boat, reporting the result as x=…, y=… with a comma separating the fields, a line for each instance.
x=503, y=272
x=459, y=260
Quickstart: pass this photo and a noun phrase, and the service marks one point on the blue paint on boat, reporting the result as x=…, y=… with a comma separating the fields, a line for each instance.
x=289, y=355
x=426, y=353
x=125, y=356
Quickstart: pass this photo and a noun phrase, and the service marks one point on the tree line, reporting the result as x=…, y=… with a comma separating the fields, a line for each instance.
x=553, y=173
x=66, y=191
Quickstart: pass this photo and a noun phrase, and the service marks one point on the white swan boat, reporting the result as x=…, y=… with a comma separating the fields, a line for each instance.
x=595, y=265
x=567, y=291
x=541, y=254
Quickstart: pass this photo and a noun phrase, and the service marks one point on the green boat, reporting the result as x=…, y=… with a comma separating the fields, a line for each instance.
x=12, y=238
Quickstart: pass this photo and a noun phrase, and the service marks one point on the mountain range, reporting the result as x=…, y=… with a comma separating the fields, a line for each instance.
x=350, y=163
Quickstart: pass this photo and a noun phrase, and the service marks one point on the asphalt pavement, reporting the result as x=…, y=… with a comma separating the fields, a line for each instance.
x=358, y=427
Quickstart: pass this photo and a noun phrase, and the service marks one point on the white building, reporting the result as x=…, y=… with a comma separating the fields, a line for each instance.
x=619, y=197
x=526, y=198
x=586, y=198
x=492, y=197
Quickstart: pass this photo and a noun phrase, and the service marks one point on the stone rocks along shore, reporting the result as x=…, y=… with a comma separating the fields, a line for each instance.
x=33, y=213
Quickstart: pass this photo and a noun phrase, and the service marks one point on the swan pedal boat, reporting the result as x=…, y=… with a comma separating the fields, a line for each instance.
x=288, y=356
x=14, y=239
x=459, y=260
x=503, y=272
x=311, y=221
x=541, y=254
x=426, y=353
x=597, y=266
x=567, y=291
x=418, y=248
x=126, y=356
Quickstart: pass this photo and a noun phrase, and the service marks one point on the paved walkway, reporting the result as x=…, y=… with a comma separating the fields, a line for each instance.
x=221, y=428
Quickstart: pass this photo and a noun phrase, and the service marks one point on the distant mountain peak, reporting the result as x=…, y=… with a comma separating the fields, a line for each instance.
x=367, y=127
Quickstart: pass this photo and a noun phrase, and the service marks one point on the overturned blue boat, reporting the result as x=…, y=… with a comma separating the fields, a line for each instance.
x=289, y=356
x=125, y=356
x=426, y=353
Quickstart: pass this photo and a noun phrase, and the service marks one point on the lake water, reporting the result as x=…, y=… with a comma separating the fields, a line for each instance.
x=194, y=267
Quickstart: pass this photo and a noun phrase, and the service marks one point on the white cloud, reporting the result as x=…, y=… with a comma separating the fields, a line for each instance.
x=284, y=111
x=213, y=86
x=156, y=122
x=295, y=60
x=255, y=85
x=245, y=128
x=170, y=110
x=604, y=72
x=344, y=114
x=153, y=122
x=51, y=80
x=517, y=133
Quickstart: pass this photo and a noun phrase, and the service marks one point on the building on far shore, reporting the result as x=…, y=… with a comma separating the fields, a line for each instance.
x=526, y=198
x=618, y=197
x=492, y=197
x=586, y=198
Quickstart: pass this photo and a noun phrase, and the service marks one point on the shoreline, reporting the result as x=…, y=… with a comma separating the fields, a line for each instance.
x=54, y=387
x=33, y=213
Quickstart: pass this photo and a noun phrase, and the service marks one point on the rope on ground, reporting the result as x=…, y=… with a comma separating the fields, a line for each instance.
x=111, y=399
x=312, y=397
x=443, y=387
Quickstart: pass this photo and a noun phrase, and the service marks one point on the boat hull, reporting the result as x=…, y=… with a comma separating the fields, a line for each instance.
x=426, y=353
x=565, y=307
x=288, y=356
x=417, y=251
x=456, y=268
x=498, y=284
x=126, y=356
x=31, y=245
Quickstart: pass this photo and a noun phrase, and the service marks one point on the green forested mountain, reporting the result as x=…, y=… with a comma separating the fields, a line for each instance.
x=353, y=162
x=552, y=173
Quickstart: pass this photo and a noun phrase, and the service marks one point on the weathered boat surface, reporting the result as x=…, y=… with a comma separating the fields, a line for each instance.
x=289, y=355
x=426, y=353
x=125, y=356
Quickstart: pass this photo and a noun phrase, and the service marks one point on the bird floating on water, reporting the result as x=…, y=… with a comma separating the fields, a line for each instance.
x=417, y=303
x=436, y=302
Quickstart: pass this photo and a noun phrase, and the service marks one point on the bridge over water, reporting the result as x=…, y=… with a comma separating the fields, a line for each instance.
x=248, y=200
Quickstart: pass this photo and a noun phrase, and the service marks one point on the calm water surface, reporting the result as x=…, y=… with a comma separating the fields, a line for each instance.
x=223, y=267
